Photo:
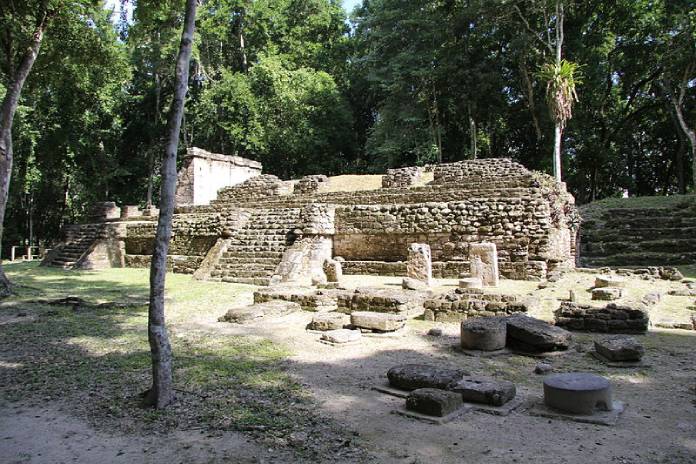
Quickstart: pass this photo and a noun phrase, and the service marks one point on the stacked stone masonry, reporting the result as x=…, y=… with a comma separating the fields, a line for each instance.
x=528, y=217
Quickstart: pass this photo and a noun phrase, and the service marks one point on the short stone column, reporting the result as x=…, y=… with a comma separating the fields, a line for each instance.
x=419, y=265
x=484, y=333
x=483, y=259
x=578, y=393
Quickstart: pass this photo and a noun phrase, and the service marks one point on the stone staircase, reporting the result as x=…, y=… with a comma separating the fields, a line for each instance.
x=256, y=250
x=654, y=236
x=78, y=241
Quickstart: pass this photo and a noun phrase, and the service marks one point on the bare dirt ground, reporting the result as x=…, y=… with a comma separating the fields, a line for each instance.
x=658, y=426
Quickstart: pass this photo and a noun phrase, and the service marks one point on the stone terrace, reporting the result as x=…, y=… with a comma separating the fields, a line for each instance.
x=287, y=229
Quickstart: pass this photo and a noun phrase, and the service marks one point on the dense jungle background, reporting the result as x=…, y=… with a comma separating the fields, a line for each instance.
x=306, y=87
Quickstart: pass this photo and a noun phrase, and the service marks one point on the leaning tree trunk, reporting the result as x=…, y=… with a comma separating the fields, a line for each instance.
x=9, y=107
x=162, y=392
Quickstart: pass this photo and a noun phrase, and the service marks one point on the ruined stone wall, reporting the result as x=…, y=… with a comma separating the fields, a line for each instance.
x=193, y=235
x=518, y=226
x=402, y=177
x=203, y=174
x=528, y=216
x=253, y=190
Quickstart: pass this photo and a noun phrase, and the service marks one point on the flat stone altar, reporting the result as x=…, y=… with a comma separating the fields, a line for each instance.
x=577, y=393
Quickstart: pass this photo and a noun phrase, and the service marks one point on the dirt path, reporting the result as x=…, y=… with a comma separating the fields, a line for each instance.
x=38, y=435
x=659, y=425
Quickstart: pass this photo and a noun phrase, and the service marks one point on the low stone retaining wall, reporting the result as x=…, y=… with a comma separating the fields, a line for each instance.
x=613, y=318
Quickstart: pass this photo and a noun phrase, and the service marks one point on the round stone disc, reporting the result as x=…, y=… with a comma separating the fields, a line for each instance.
x=577, y=381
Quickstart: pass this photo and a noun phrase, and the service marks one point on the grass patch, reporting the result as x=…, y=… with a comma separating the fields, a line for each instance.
x=98, y=361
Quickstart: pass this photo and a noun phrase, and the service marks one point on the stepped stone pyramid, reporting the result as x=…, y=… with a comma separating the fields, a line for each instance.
x=654, y=236
x=262, y=229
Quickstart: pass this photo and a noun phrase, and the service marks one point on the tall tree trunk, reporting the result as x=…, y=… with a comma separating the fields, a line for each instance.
x=473, y=148
x=529, y=91
x=161, y=394
x=557, y=135
x=155, y=123
x=7, y=112
x=558, y=129
x=688, y=131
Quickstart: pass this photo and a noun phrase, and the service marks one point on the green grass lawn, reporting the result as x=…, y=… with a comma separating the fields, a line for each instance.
x=97, y=360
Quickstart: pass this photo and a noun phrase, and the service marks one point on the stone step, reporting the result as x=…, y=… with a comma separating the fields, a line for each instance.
x=246, y=273
x=650, y=222
x=604, y=235
x=248, y=280
x=669, y=246
x=245, y=255
x=252, y=259
x=622, y=213
x=246, y=266
x=638, y=259
x=254, y=248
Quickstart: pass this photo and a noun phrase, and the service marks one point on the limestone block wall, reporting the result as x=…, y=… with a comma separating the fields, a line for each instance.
x=257, y=188
x=402, y=177
x=193, y=236
x=520, y=228
x=310, y=184
x=203, y=174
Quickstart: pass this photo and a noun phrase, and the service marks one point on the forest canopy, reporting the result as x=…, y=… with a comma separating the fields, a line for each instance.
x=306, y=87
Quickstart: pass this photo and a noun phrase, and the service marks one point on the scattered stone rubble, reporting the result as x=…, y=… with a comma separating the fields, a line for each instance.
x=463, y=303
x=437, y=391
x=613, y=318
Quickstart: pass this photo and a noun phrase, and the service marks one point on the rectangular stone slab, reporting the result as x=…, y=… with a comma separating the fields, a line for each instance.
x=485, y=390
x=385, y=322
x=538, y=408
x=433, y=402
x=432, y=419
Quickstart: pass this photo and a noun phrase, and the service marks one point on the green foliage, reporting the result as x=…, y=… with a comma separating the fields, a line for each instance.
x=292, y=84
x=561, y=81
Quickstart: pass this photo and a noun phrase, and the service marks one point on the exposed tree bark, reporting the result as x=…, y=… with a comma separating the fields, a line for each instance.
x=558, y=129
x=472, y=132
x=677, y=100
x=7, y=112
x=529, y=90
x=151, y=152
x=161, y=394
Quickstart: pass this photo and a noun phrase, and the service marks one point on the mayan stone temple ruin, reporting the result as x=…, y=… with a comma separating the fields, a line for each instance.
x=234, y=223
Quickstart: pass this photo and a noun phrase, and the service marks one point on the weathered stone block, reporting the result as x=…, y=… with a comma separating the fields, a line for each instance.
x=329, y=321
x=413, y=376
x=258, y=310
x=606, y=293
x=433, y=402
x=536, y=335
x=383, y=322
x=409, y=283
x=484, y=333
x=620, y=349
x=333, y=270
x=419, y=265
x=341, y=336
x=470, y=282
x=485, y=390
x=483, y=258
x=609, y=281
